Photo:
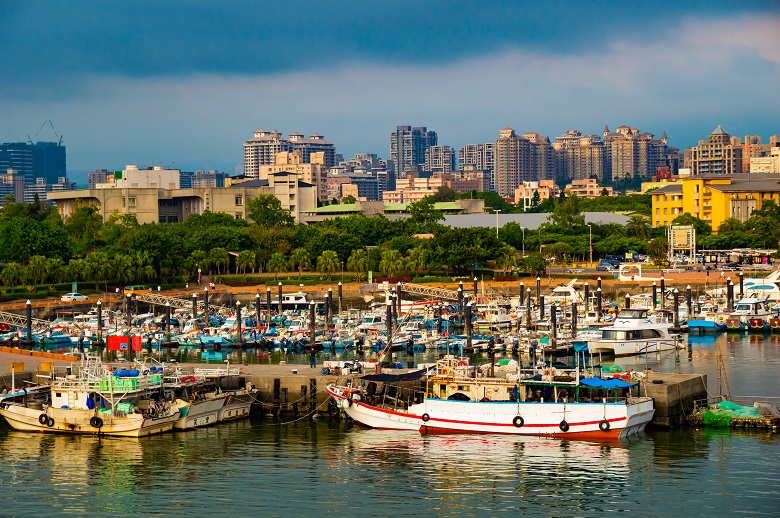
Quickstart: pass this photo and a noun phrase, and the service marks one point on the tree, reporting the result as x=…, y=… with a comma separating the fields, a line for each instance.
x=415, y=259
x=536, y=200
x=444, y=194
x=701, y=226
x=657, y=250
x=122, y=265
x=358, y=262
x=559, y=252
x=567, y=212
x=219, y=257
x=534, y=264
x=422, y=212
x=638, y=227
x=328, y=263
x=391, y=262
x=277, y=263
x=507, y=257
x=12, y=275
x=37, y=269
x=245, y=261
x=731, y=225
x=348, y=200
x=266, y=211
x=301, y=259
x=98, y=267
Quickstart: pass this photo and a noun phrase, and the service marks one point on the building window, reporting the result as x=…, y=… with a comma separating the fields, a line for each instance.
x=239, y=215
x=239, y=199
x=131, y=202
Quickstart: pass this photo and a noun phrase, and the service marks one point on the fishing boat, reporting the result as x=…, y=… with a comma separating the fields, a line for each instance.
x=751, y=314
x=98, y=401
x=634, y=332
x=450, y=397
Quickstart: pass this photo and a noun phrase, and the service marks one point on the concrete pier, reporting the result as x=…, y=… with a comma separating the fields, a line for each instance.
x=674, y=396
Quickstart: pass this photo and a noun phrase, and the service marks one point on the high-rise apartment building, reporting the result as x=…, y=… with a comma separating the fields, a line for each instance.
x=578, y=157
x=541, y=156
x=631, y=154
x=261, y=149
x=716, y=155
x=512, y=166
x=439, y=159
x=407, y=149
x=34, y=160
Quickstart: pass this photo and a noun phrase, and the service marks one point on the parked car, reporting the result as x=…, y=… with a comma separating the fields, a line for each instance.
x=605, y=266
x=617, y=258
x=732, y=266
x=73, y=297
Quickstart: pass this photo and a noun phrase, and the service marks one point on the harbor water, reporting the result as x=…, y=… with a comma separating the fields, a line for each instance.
x=330, y=466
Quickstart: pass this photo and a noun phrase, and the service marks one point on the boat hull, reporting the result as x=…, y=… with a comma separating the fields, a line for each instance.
x=571, y=420
x=74, y=421
x=235, y=407
x=630, y=347
x=200, y=413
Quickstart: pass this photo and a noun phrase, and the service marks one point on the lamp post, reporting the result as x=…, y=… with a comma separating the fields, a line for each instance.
x=590, y=245
x=522, y=229
x=496, y=211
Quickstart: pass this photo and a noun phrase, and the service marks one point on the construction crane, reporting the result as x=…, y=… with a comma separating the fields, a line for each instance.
x=59, y=137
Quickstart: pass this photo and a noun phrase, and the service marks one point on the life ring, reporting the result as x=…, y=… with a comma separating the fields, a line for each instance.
x=518, y=421
x=604, y=425
x=95, y=422
x=462, y=363
x=564, y=426
x=425, y=418
x=50, y=422
x=43, y=419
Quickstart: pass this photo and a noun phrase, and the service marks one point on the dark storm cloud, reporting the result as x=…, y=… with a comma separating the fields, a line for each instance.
x=46, y=47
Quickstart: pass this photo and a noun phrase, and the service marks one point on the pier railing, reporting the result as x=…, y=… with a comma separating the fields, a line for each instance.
x=160, y=300
x=20, y=320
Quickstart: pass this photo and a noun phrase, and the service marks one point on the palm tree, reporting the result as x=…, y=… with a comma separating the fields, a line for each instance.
x=358, y=262
x=301, y=259
x=219, y=257
x=415, y=259
x=77, y=269
x=37, y=269
x=277, y=263
x=731, y=225
x=12, y=275
x=142, y=268
x=57, y=268
x=245, y=260
x=391, y=262
x=98, y=267
x=123, y=268
x=507, y=257
x=200, y=258
x=638, y=227
x=328, y=263
x=657, y=250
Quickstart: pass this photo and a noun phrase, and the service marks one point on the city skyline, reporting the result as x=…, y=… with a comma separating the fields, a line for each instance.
x=148, y=84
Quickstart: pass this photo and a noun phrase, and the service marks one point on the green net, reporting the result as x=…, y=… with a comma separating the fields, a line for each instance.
x=739, y=411
x=609, y=369
x=717, y=420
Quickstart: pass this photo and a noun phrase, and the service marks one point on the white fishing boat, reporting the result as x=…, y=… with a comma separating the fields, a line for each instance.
x=634, y=332
x=564, y=294
x=95, y=401
x=454, y=401
x=766, y=288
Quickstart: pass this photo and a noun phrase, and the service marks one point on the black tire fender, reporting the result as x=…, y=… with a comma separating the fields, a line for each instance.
x=564, y=426
x=50, y=422
x=43, y=419
x=217, y=348
x=604, y=425
x=96, y=422
x=425, y=418
x=518, y=421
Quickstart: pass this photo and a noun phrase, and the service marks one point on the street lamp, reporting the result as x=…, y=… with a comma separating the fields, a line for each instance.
x=590, y=244
x=522, y=229
x=496, y=211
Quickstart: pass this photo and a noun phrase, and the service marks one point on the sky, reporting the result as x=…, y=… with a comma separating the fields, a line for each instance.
x=184, y=84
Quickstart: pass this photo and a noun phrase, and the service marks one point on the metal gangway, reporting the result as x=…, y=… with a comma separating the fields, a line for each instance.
x=20, y=320
x=154, y=298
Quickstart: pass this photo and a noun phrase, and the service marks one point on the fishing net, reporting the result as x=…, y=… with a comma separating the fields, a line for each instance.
x=716, y=420
x=610, y=369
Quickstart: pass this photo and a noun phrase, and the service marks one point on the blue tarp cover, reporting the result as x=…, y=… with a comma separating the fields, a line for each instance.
x=612, y=383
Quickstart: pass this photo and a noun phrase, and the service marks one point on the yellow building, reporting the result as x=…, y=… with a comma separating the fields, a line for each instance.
x=714, y=198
